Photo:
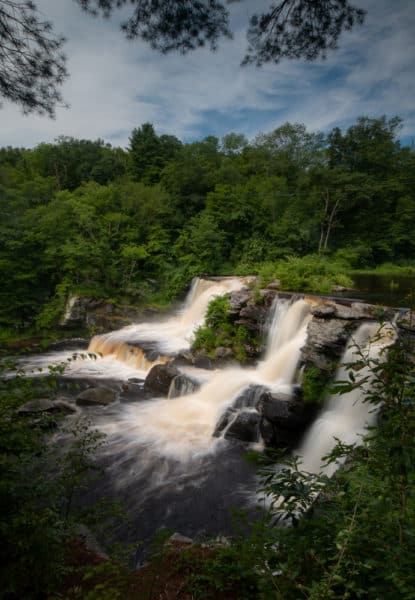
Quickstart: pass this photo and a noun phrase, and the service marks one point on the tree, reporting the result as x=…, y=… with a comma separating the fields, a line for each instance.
x=32, y=66
x=150, y=153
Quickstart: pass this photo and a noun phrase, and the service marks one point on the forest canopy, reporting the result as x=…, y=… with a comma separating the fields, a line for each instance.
x=82, y=216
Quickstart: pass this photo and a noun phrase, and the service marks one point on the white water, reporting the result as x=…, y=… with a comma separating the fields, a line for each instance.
x=346, y=416
x=181, y=428
x=176, y=332
x=117, y=359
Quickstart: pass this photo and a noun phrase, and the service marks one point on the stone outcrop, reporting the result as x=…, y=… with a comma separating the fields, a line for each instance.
x=84, y=312
x=284, y=418
x=326, y=339
x=159, y=379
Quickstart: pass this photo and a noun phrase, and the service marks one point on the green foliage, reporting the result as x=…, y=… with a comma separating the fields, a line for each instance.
x=311, y=273
x=137, y=225
x=38, y=482
x=220, y=331
x=344, y=529
x=314, y=384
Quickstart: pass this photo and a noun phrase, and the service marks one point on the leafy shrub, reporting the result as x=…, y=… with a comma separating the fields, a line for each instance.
x=311, y=273
x=315, y=382
x=351, y=535
x=220, y=330
x=38, y=482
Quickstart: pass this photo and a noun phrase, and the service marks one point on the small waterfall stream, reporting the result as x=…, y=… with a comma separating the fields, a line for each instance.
x=347, y=415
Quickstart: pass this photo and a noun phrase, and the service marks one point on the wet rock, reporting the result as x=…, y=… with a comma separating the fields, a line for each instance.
x=201, y=361
x=323, y=311
x=240, y=298
x=44, y=405
x=135, y=380
x=132, y=392
x=96, y=396
x=254, y=313
x=250, y=397
x=282, y=410
x=159, y=379
x=357, y=310
x=245, y=427
x=326, y=339
x=183, y=385
x=284, y=418
x=224, y=420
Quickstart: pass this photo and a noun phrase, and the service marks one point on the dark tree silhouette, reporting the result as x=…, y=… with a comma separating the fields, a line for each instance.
x=32, y=66
x=299, y=29
x=289, y=29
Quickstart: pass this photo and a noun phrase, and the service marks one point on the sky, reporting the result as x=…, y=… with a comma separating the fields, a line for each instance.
x=116, y=85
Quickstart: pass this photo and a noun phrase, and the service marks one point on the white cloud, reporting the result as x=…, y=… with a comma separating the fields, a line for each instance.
x=116, y=85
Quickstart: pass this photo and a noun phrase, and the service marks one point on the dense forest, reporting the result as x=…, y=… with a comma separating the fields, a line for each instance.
x=80, y=216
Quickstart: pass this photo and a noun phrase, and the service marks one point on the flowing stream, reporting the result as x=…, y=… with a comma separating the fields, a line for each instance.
x=160, y=457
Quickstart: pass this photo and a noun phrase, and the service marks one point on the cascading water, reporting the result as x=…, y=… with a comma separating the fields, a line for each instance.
x=161, y=458
x=181, y=428
x=347, y=415
x=175, y=333
x=119, y=354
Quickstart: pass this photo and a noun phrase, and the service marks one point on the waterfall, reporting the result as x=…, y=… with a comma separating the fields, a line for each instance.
x=346, y=416
x=182, y=427
x=172, y=335
x=287, y=335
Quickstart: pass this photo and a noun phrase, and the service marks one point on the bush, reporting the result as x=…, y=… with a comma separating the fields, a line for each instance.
x=38, y=482
x=220, y=331
x=311, y=273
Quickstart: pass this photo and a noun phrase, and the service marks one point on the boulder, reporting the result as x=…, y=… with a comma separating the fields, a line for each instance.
x=284, y=418
x=282, y=410
x=249, y=397
x=159, y=379
x=183, y=385
x=44, y=405
x=132, y=392
x=244, y=427
x=201, y=361
x=224, y=420
x=96, y=396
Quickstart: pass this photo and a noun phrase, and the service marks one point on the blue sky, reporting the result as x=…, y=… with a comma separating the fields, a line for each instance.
x=116, y=85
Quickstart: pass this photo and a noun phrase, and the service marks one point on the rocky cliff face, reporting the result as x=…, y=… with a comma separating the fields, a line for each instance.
x=82, y=312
